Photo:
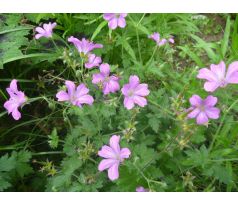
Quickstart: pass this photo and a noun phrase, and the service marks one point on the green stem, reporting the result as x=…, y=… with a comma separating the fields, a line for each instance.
x=138, y=45
x=221, y=124
x=152, y=56
x=30, y=100
x=3, y=113
x=57, y=48
x=224, y=160
x=142, y=174
x=141, y=19
x=47, y=153
x=160, y=107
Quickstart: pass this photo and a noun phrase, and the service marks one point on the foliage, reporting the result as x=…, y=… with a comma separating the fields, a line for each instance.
x=54, y=147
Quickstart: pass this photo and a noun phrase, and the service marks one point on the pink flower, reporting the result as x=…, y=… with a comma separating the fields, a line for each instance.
x=218, y=77
x=115, y=20
x=93, y=61
x=17, y=99
x=135, y=93
x=113, y=155
x=46, y=31
x=109, y=83
x=76, y=96
x=141, y=189
x=202, y=110
x=171, y=39
x=84, y=46
x=156, y=37
x=160, y=42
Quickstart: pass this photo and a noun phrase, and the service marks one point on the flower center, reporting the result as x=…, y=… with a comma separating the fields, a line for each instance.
x=107, y=79
x=202, y=108
x=117, y=15
x=118, y=157
x=223, y=83
x=130, y=93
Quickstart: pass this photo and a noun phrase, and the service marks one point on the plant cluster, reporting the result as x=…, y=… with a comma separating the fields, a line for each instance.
x=73, y=114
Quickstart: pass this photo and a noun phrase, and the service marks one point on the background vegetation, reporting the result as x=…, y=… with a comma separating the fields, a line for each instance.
x=54, y=147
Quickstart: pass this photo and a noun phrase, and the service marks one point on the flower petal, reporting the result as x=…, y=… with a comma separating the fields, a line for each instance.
x=106, y=152
x=162, y=42
x=106, y=163
x=193, y=113
x=62, y=96
x=108, y=16
x=40, y=30
x=219, y=69
x=10, y=106
x=105, y=69
x=81, y=90
x=112, y=24
x=71, y=87
x=125, y=89
x=37, y=36
x=202, y=118
x=123, y=15
x=113, y=85
x=98, y=78
x=121, y=22
x=142, y=90
x=13, y=85
x=155, y=36
x=232, y=73
x=134, y=81
x=195, y=100
x=113, y=172
x=16, y=114
x=211, y=86
x=114, y=143
x=106, y=88
x=85, y=99
x=210, y=101
x=128, y=103
x=213, y=112
x=125, y=153
x=206, y=74
x=141, y=101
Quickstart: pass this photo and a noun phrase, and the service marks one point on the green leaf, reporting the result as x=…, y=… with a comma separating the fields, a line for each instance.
x=197, y=157
x=207, y=47
x=192, y=55
x=6, y=163
x=4, y=184
x=225, y=40
x=53, y=139
x=154, y=123
x=22, y=167
x=34, y=55
x=234, y=37
x=98, y=29
x=124, y=42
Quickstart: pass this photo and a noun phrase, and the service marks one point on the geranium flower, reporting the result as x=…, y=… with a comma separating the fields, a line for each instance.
x=17, y=99
x=171, y=39
x=76, y=96
x=84, y=46
x=114, y=156
x=109, y=83
x=160, y=42
x=141, y=189
x=135, y=93
x=115, y=20
x=46, y=31
x=218, y=77
x=202, y=110
x=93, y=61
